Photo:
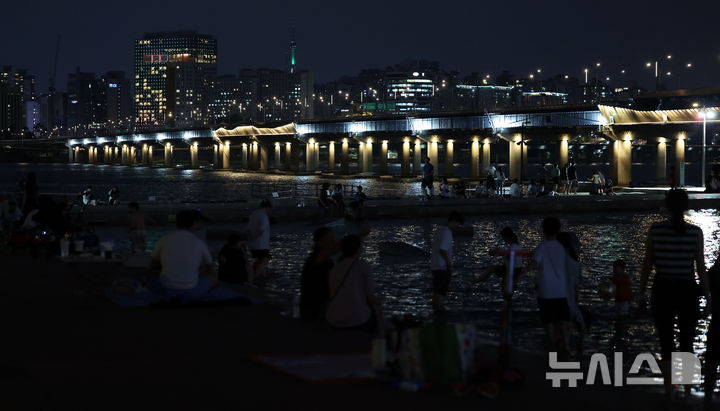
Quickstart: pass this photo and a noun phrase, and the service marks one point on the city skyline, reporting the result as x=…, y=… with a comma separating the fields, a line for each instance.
x=555, y=37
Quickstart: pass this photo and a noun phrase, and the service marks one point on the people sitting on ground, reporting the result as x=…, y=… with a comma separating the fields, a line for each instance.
x=532, y=190
x=87, y=198
x=542, y=188
x=444, y=188
x=609, y=188
x=233, y=263
x=481, y=190
x=183, y=259
x=137, y=233
x=315, y=275
x=325, y=200
x=114, y=196
x=352, y=302
x=490, y=184
x=459, y=189
x=515, y=189
x=259, y=238
x=338, y=201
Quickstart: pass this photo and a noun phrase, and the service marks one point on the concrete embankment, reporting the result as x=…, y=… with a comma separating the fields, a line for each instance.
x=287, y=209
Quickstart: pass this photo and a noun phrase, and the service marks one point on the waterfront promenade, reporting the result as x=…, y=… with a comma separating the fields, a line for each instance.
x=284, y=210
x=68, y=348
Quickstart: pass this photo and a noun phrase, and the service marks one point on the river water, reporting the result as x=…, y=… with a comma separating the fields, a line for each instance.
x=405, y=284
x=188, y=185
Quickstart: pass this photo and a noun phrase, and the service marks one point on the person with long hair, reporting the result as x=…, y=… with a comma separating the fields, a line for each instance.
x=352, y=301
x=675, y=248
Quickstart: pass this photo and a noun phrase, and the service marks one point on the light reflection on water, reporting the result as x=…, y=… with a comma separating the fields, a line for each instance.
x=405, y=285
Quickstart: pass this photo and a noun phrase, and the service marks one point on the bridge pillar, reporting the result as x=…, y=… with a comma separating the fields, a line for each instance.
x=563, y=155
x=254, y=156
x=621, y=167
x=417, y=160
x=310, y=157
x=661, y=161
x=224, y=151
x=449, y=158
x=115, y=155
x=433, y=154
x=485, y=155
x=475, y=159
x=680, y=160
x=144, y=155
x=124, y=155
x=345, y=157
x=90, y=155
x=331, y=156
x=361, y=157
x=194, y=160
x=71, y=155
x=150, y=156
x=276, y=156
x=288, y=156
x=515, y=158
x=405, y=167
x=368, y=157
x=133, y=155
x=244, y=157
x=383, y=157
x=316, y=156
x=264, y=157
x=169, y=163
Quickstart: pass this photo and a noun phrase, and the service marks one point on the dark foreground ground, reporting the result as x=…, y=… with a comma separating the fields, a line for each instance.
x=65, y=347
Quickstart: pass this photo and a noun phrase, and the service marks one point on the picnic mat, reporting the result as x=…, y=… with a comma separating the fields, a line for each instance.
x=323, y=368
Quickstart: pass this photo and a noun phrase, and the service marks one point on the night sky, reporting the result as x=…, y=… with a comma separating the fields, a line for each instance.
x=342, y=37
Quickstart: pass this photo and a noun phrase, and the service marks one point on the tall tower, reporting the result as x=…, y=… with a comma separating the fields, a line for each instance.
x=174, y=74
x=293, y=46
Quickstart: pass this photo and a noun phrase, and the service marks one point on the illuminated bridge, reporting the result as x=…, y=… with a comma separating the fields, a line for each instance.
x=367, y=145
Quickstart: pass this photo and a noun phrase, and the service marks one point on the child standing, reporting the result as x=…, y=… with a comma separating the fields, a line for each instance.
x=623, y=291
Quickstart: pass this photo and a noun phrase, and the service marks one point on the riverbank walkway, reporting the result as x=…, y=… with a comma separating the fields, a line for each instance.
x=303, y=209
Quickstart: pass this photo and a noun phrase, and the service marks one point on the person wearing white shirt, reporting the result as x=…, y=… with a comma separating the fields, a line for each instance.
x=441, y=260
x=184, y=259
x=549, y=260
x=515, y=189
x=259, y=238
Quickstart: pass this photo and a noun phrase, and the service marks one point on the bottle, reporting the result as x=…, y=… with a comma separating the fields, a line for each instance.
x=296, y=306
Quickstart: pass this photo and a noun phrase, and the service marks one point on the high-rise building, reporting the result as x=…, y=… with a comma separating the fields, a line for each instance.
x=410, y=91
x=302, y=87
x=53, y=112
x=11, y=112
x=119, y=101
x=86, y=110
x=174, y=75
x=235, y=98
x=25, y=85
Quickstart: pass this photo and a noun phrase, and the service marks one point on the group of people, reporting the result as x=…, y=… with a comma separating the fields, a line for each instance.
x=554, y=181
x=334, y=203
